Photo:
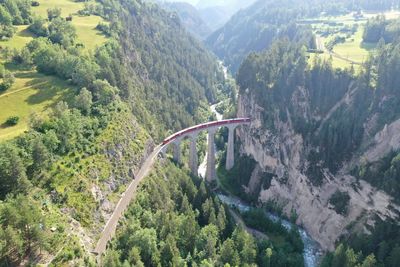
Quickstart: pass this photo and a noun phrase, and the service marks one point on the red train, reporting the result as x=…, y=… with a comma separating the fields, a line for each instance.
x=204, y=126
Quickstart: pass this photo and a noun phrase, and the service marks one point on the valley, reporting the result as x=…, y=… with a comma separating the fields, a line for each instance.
x=299, y=99
x=311, y=253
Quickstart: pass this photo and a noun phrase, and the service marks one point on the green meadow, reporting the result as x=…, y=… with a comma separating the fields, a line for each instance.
x=34, y=92
x=31, y=93
x=353, y=51
x=85, y=25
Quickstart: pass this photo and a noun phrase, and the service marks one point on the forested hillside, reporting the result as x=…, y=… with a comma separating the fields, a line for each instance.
x=191, y=19
x=164, y=67
x=330, y=127
x=205, y=17
x=217, y=13
x=89, y=88
x=60, y=179
x=380, y=28
x=175, y=221
x=285, y=69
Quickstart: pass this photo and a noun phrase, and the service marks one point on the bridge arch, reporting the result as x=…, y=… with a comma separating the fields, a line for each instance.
x=193, y=132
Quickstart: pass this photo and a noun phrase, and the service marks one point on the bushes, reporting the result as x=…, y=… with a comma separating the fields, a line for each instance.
x=53, y=13
x=13, y=12
x=8, y=81
x=62, y=32
x=39, y=27
x=59, y=31
x=340, y=201
x=6, y=31
x=337, y=40
x=12, y=121
x=23, y=57
x=104, y=28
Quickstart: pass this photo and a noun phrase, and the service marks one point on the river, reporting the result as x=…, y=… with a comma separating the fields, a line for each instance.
x=312, y=250
x=203, y=165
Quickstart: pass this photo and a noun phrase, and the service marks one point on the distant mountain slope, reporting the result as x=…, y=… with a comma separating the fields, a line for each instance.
x=203, y=18
x=191, y=19
x=217, y=13
x=174, y=74
x=229, y=4
x=254, y=28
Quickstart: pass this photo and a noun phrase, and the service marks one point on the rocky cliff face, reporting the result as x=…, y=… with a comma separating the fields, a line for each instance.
x=283, y=151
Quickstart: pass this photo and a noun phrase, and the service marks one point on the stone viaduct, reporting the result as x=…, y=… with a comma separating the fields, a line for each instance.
x=175, y=140
x=192, y=133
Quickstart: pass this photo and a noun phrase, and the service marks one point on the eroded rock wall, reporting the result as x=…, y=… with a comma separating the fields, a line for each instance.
x=284, y=152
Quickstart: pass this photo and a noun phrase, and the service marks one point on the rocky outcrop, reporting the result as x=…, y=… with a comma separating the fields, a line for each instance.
x=126, y=154
x=283, y=152
x=386, y=140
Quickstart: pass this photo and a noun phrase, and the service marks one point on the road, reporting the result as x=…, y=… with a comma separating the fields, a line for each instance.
x=111, y=226
x=109, y=230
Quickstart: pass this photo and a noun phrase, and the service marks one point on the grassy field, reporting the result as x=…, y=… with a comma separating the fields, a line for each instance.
x=20, y=39
x=85, y=26
x=32, y=92
x=87, y=33
x=353, y=49
x=336, y=62
x=67, y=7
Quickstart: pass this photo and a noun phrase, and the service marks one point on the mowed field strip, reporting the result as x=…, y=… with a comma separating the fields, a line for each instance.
x=22, y=89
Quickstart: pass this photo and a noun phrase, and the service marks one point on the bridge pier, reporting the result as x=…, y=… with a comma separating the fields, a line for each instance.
x=193, y=159
x=211, y=171
x=230, y=153
x=177, y=151
x=175, y=140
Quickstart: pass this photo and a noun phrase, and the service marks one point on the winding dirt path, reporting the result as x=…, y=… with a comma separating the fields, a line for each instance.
x=22, y=89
